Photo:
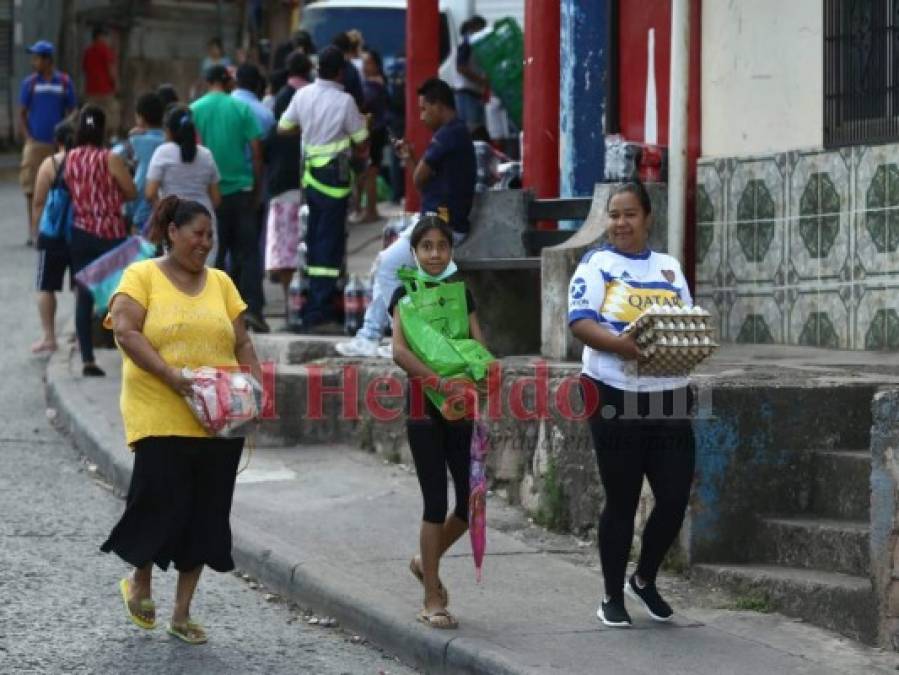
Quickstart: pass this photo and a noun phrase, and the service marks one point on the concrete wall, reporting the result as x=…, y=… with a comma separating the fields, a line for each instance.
x=762, y=76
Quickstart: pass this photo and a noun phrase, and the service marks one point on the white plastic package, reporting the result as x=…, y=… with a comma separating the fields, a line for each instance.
x=223, y=400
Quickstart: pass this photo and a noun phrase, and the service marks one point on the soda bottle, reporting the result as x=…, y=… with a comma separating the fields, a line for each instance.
x=353, y=305
x=295, y=302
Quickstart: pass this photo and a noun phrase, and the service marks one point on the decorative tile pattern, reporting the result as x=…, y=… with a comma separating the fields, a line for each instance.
x=755, y=330
x=882, y=217
x=755, y=220
x=819, y=332
x=802, y=247
x=883, y=331
x=818, y=319
x=819, y=210
x=705, y=224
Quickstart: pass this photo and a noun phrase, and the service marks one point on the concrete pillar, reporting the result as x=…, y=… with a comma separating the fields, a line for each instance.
x=583, y=75
x=678, y=122
x=422, y=62
x=541, y=99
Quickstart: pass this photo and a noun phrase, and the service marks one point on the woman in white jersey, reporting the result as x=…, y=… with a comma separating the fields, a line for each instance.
x=641, y=426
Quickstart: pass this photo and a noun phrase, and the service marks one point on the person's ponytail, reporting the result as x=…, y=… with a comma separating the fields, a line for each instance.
x=180, y=125
x=162, y=215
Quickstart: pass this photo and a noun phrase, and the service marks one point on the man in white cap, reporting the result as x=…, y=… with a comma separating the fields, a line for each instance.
x=46, y=97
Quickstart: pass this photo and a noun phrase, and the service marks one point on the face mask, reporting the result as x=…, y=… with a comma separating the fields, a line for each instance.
x=450, y=270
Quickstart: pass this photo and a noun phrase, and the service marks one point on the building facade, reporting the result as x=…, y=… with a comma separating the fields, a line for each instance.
x=797, y=234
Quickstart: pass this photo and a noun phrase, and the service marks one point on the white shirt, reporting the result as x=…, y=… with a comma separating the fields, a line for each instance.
x=325, y=114
x=613, y=289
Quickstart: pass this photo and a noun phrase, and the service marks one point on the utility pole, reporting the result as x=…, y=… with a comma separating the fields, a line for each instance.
x=679, y=96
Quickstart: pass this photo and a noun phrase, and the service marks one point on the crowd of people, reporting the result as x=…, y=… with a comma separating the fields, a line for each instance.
x=205, y=181
x=248, y=147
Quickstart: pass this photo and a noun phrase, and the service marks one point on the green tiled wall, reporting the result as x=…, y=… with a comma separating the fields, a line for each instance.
x=802, y=248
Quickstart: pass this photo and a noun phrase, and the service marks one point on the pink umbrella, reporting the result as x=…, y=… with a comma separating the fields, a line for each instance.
x=477, y=501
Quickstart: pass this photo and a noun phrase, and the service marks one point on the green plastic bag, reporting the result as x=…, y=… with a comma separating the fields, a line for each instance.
x=500, y=54
x=435, y=324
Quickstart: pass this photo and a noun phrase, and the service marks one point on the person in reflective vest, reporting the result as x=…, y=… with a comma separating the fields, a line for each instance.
x=332, y=129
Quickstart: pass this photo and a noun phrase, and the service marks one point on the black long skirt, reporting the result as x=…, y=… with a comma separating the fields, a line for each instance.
x=179, y=504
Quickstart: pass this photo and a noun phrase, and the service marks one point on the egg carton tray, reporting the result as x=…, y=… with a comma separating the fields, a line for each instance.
x=673, y=341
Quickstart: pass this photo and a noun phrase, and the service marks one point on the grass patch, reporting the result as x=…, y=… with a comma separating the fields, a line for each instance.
x=552, y=513
x=752, y=603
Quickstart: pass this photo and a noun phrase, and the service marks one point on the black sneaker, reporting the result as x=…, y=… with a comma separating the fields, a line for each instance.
x=657, y=608
x=612, y=613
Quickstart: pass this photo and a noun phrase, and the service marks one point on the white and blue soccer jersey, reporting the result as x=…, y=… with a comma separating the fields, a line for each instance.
x=613, y=289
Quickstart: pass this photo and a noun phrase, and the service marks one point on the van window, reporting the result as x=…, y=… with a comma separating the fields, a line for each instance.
x=383, y=29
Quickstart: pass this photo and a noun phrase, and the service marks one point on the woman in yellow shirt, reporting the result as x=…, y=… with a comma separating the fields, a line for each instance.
x=169, y=313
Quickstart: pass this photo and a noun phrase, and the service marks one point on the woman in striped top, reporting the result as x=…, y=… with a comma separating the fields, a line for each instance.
x=99, y=183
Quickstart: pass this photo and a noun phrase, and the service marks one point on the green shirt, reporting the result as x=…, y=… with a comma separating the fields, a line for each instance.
x=226, y=126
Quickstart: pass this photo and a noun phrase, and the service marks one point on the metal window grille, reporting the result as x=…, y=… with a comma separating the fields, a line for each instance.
x=861, y=72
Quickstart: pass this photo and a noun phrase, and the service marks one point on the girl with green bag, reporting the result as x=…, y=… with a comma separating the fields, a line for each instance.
x=436, y=335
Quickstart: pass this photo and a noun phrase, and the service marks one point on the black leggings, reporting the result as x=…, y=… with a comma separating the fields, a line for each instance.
x=436, y=444
x=663, y=450
x=85, y=248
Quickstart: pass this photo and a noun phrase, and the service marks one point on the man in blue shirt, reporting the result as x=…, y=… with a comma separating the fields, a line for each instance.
x=137, y=151
x=46, y=97
x=249, y=86
x=445, y=175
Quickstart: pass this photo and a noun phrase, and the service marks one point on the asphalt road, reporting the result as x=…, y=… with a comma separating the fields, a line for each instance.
x=60, y=609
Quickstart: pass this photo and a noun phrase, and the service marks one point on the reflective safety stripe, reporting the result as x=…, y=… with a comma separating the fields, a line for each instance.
x=314, y=271
x=328, y=149
x=360, y=135
x=328, y=190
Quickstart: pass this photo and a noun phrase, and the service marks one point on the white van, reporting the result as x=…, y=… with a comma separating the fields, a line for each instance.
x=383, y=23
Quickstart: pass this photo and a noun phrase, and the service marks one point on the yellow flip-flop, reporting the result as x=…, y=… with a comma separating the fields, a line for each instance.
x=191, y=632
x=146, y=605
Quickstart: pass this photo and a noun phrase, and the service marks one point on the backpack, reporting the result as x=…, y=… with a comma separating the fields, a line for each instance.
x=55, y=228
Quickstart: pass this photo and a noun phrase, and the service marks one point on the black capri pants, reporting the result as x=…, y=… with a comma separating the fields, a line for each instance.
x=436, y=444
x=179, y=504
x=637, y=435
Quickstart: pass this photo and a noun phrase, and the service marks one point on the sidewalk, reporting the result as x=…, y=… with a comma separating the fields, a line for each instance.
x=333, y=529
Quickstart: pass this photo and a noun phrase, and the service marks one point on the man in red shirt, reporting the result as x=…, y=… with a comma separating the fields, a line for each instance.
x=100, y=74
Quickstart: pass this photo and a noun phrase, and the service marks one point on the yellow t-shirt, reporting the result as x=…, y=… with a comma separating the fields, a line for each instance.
x=186, y=330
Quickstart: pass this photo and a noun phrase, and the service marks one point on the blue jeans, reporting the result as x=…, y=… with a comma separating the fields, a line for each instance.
x=389, y=261
x=471, y=109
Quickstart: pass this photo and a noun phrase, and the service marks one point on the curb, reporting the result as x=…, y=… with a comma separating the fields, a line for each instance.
x=428, y=649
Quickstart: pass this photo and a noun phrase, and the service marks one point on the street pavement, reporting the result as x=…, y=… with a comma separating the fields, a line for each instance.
x=60, y=609
x=333, y=527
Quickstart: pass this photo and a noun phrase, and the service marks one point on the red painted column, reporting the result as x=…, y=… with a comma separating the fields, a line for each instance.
x=422, y=62
x=541, y=100
x=694, y=138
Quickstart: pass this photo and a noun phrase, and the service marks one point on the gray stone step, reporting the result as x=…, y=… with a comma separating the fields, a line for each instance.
x=841, y=484
x=289, y=349
x=814, y=543
x=300, y=420
x=839, y=602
